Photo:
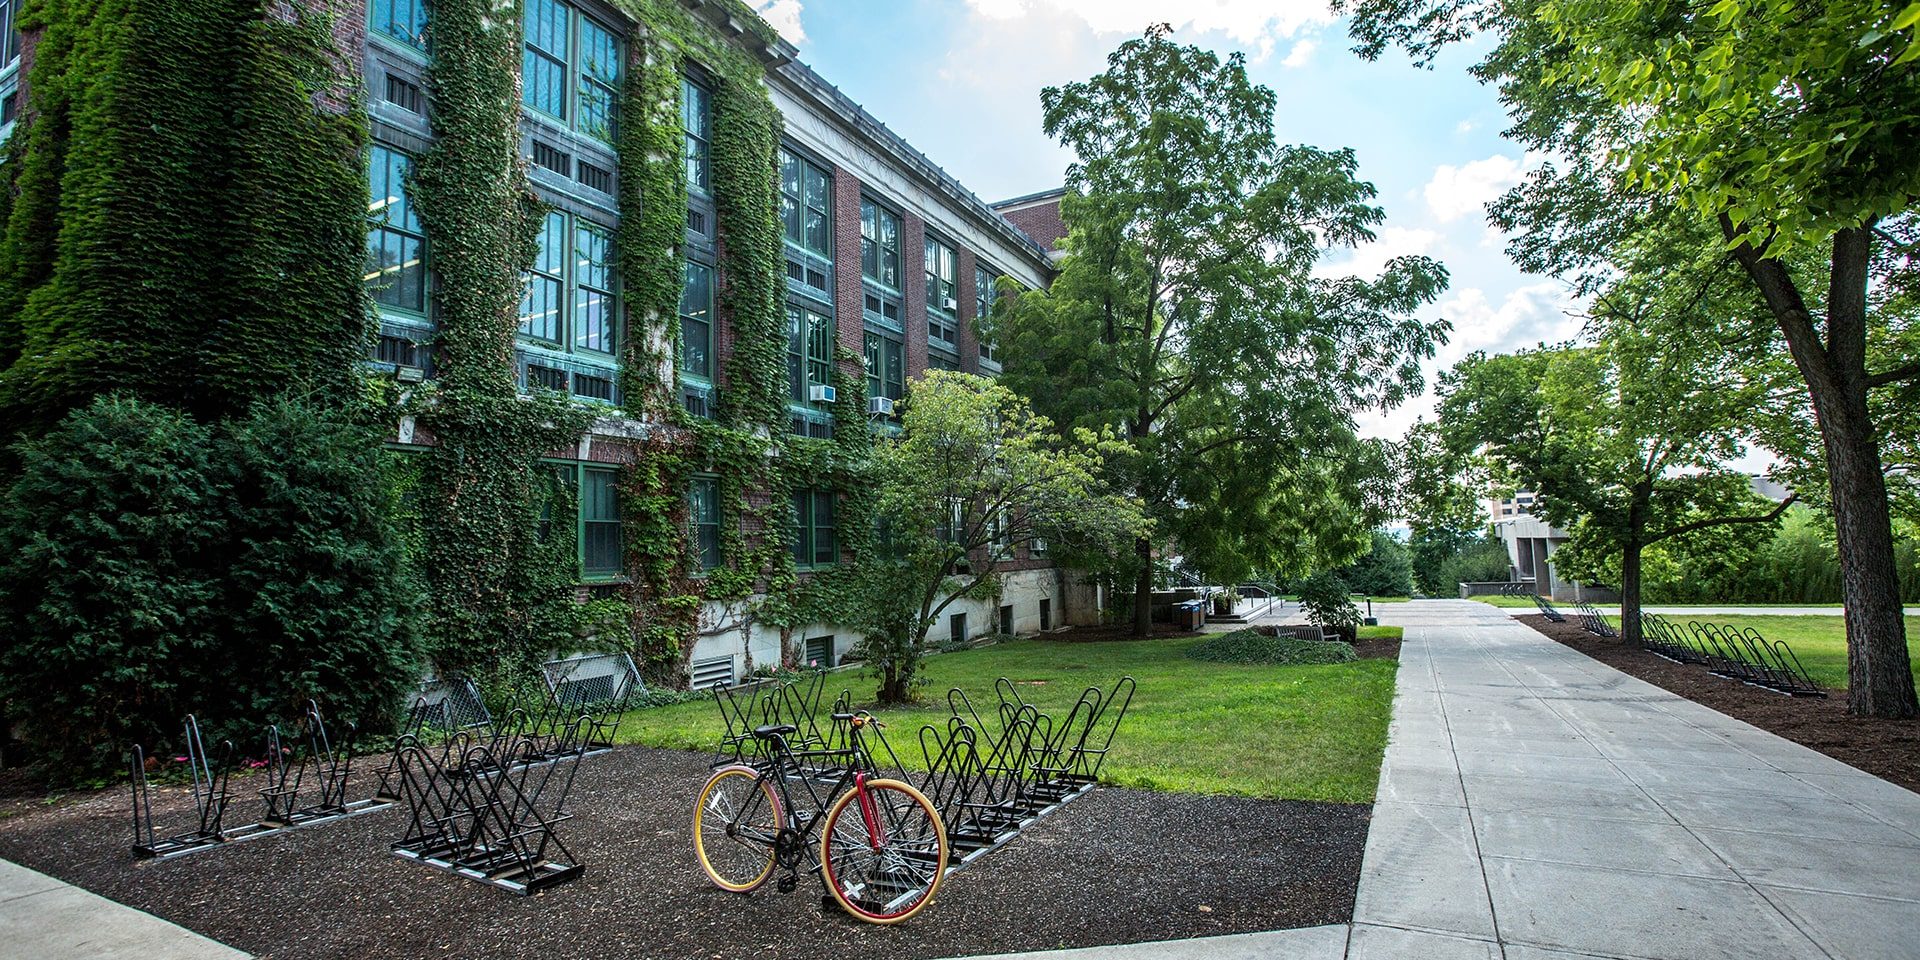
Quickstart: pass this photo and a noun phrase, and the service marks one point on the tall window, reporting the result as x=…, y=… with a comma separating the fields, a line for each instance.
x=396, y=243
x=543, y=65
x=703, y=503
x=569, y=67
x=814, y=543
x=599, y=523
x=599, y=79
x=571, y=299
x=886, y=367
x=696, y=321
x=403, y=20
x=984, y=297
x=806, y=205
x=809, y=351
x=542, y=309
x=879, y=245
x=696, y=116
x=942, y=271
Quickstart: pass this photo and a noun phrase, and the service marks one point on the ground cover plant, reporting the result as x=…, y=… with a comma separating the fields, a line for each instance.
x=1293, y=732
x=1252, y=646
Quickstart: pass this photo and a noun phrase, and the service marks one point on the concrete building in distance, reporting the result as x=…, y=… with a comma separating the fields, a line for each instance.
x=1531, y=543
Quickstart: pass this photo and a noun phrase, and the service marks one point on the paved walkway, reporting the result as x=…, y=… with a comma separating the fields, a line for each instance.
x=45, y=919
x=1538, y=805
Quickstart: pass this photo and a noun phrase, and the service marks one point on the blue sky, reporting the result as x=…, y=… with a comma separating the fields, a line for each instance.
x=961, y=80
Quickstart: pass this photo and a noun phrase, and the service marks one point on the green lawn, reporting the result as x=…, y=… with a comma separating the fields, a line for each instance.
x=1819, y=641
x=1522, y=603
x=1380, y=633
x=1299, y=733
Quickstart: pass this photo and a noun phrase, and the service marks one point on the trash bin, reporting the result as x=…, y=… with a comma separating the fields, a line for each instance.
x=1192, y=615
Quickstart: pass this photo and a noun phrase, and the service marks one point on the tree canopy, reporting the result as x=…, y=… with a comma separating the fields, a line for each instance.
x=1188, y=316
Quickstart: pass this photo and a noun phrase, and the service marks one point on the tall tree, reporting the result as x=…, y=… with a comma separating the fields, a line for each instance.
x=1186, y=314
x=1787, y=130
x=1627, y=443
x=974, y=472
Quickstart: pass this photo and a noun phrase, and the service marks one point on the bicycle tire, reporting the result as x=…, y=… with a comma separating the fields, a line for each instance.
x=909, y=864
x=735, y=863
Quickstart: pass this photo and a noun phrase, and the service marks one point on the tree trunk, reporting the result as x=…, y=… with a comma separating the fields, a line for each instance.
x=1879, y=673
x=1630, y=564
x=1143, y=589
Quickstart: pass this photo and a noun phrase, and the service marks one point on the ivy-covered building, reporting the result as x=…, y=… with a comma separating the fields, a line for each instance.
x=635, y=244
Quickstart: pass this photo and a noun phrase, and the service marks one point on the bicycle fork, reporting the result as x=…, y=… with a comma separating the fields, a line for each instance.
x=869, y=811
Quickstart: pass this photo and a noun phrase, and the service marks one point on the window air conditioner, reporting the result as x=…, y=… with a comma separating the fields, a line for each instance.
x=821, y=394
x=880, y=406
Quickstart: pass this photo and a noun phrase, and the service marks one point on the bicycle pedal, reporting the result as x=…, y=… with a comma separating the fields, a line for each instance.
x=788, y=884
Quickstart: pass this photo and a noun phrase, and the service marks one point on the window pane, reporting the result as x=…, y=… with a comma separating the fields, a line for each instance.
x=696, y=116
x=802, y=528
x=396, y=269
x=593, y=314
x=543, y=67
x=542, y=308
x=819, y=349
x=600, y=512
x=696, y=320
x=403, y=20
x=599, y=78
x=826, y=547
x=703, y=500
x=796, y=355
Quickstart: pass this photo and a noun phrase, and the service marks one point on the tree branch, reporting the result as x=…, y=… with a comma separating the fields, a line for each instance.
x=1768, y=517
x=1895, y=375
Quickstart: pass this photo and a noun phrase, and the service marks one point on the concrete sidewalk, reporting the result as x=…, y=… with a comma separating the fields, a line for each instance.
x=1539, y=805
x=45, y=919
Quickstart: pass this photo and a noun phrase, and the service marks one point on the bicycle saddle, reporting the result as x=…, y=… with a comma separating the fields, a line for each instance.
x=771, y=730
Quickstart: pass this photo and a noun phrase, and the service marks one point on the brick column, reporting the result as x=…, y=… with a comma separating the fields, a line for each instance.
x=968, y=340
x=847, y=296
x=913, y=291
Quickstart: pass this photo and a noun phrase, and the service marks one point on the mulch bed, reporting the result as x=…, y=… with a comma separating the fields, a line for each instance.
x=1116, y=866
x=1889, y=749
x=1382, y=649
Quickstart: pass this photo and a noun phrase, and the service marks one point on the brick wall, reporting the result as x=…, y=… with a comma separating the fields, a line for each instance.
x=968, y=341
x=1041, y=222
x=913, y=291
x=847, y=296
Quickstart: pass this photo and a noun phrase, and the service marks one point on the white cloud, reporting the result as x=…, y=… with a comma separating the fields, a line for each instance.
x=784, y=15
x=1300, y=54
x=1463, y=127
x=1455, y=192
x=1253, y=22
x=1530, y=315
x=1369, y=260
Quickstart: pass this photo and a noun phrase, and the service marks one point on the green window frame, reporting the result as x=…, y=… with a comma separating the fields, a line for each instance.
x=879, y=244
x=814, y=542
x=703, y=515
x=401, y=20
x=942, y=294
x=886, y=366
x=806, y=205
x=600, y=533
x=571, y=302
x=396, y=273
x=985, y=295
x=10, y=31
x=809, y=351
x=696, y=119
x=696, y=321
x=570, y=67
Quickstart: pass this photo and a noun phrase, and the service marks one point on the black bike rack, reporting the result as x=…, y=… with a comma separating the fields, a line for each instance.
x=304, y=787
x=1547, y=609
x=209, y=799
x=493, y=821
x=1735, y=653
x=1594, y=622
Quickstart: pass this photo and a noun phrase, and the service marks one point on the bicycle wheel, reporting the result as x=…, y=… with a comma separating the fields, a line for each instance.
x=883, y=853
x=734, y=826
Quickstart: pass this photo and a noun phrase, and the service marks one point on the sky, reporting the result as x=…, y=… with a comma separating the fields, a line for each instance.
x=961, y=81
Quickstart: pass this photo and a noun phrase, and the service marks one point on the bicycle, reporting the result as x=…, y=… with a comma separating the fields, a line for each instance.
x=882, y=852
